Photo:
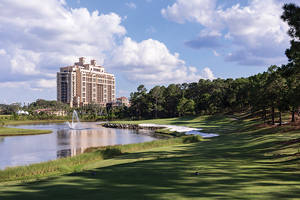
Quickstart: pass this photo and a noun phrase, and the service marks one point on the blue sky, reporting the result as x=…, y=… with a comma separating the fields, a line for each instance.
x=150, y=42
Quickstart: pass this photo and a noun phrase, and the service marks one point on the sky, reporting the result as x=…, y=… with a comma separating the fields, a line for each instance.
x=142, y=42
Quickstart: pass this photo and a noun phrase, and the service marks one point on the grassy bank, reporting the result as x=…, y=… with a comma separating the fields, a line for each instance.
x=247, y=161
x=78, y=163
x=6, y=131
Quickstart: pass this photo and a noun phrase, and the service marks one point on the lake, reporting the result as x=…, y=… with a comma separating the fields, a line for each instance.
x=63, y=142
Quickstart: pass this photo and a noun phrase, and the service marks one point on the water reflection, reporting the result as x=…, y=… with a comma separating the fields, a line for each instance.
x=23, y=150
x=70, y=152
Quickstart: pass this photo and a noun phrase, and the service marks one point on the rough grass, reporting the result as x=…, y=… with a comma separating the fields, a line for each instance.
x=6, y=131
x=246, y=161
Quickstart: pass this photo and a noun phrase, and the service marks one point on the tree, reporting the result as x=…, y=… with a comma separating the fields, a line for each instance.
x=230, y=96
x=156, y=95
x=185, y=105
x=291, y=15
x=171, y=96
x=139, y=100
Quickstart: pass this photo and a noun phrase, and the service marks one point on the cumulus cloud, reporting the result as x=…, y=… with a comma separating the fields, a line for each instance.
x=150, y=62
x=39, y=84
x=38, y=37
x=206, y=72
x=193, y=69
x=255, y=28
x=201, y=11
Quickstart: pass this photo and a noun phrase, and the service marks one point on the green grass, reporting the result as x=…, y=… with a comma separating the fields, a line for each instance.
x=6, y=131
x=17, y=122
x=3, y=116
x=244, y=162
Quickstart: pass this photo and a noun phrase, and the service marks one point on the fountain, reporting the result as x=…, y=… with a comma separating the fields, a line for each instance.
x=74, y=125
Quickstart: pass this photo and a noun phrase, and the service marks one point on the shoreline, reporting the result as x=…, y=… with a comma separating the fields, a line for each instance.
x=171, y=129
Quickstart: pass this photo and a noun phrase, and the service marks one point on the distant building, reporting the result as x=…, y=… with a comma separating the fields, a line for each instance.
x=122, y=101
x=83, y=83
x=50, y=111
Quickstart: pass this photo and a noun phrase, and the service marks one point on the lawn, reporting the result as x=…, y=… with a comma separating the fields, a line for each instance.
x=246, y=161
x=6, y=131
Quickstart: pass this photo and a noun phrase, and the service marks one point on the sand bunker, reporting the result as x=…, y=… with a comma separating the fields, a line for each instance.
x=187, y=130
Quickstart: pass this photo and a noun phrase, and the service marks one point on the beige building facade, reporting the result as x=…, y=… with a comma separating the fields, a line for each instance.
x=84, y=83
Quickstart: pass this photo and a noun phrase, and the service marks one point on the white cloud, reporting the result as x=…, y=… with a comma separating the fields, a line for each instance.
x=256, y=28
x=151, y=30
x=206, y=72
x=37, y=85
x=193, y=69
x=131, y=5
x=2, y=52
x=48, y=35
x=200, y=11
x=43, y=83
x=150, y=62
x=228, y=36
x=216, y=54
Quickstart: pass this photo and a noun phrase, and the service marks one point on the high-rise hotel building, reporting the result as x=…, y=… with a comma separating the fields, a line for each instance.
x=83, y=83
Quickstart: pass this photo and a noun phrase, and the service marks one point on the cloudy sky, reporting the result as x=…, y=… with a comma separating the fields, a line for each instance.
x=150, y=42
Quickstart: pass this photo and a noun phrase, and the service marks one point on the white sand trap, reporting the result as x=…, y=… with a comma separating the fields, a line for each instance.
x=187, y=130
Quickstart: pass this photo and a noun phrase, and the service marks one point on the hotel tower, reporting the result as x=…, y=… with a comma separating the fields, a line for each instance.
x=83, y=83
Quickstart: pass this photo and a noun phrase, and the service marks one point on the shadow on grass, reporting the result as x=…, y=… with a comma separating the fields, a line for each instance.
x=169, y=178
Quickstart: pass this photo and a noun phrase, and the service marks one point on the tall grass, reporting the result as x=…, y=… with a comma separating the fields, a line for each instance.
x=76, y=163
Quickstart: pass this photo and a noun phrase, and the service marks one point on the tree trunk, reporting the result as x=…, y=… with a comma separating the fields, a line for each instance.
x=273, y=115
x=265, y=115
x=155, y=108
x=293, y=115
x=279, y=118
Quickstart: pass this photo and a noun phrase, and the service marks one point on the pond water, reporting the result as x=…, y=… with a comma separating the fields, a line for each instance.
x=63, y=142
